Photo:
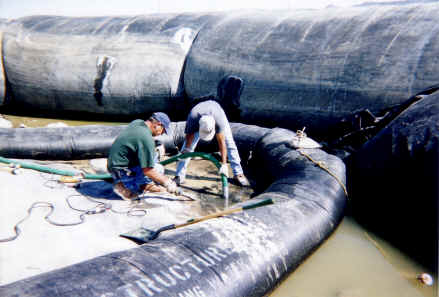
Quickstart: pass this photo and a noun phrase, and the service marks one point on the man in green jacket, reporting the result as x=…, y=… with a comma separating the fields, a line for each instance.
x=132, y=160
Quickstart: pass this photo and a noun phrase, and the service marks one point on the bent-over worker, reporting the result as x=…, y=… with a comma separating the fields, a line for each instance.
x=132, y=159
x=206, y=120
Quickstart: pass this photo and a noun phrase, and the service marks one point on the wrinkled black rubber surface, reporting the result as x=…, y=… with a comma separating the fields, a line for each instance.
x=313, y=67
x=70, y=143
x=394, y=181
x=300, y=68
x=102, y=65
x=245, y=254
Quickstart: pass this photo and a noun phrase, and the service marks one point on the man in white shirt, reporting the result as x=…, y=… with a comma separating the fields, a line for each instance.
x=206, y=120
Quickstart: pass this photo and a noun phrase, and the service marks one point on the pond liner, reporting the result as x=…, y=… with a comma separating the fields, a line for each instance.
x=245, y=254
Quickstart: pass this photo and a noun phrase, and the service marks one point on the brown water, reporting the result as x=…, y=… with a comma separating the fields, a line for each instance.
x=351, y=263
x=355, y=263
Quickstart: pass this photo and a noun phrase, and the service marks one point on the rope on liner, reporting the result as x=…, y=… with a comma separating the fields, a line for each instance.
x=322, y=165
x=300, y=135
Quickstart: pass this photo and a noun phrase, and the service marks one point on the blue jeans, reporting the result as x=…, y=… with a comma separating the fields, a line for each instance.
x=132, y=178
x=232, y=154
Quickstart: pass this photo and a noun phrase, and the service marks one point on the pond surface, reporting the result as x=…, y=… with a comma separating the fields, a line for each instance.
x=352, y=263
x=356, y=263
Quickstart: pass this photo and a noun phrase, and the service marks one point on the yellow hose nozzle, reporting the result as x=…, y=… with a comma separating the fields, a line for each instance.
x=70, y=179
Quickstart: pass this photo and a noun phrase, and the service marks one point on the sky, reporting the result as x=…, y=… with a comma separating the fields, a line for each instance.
x=19, y=8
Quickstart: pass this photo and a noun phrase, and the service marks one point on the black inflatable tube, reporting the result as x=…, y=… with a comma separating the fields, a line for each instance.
x=314, y=67
x=245, y=254
x=94, y=141
x=300, y=68
x=69, y=143
x=103, y=65
x=395, y=177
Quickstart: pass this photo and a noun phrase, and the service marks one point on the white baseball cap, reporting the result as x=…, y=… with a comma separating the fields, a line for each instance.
x=207, y=127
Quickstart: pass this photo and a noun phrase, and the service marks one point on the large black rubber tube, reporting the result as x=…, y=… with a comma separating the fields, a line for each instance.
x=70, y=143
x=300, y=68
x=394, y=181
x=313, y=67
x=93, y=141
x=245, y=254
x=105, y=65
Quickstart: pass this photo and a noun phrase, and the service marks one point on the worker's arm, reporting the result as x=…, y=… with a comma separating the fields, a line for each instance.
x=220, y=137
x=155, y=175
x=159, y=178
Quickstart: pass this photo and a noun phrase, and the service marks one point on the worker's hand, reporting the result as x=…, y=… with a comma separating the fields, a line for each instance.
x=224, y=170
x=171, y=186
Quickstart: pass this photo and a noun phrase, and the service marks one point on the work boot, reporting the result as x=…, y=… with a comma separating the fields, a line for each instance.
x=152, y=188
x=241, y=180
x=123, y=192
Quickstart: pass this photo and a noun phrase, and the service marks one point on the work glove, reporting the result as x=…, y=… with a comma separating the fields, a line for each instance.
x=171, y=186
x=224, y=170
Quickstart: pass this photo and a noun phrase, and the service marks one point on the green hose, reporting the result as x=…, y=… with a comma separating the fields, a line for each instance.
x=46, y=169
x=206, y=157
x=107, y=176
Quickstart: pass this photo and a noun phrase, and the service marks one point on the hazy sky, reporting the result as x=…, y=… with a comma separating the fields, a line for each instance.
x=18, y=8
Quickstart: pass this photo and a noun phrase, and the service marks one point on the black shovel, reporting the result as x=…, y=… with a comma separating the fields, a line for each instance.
x=143, y=235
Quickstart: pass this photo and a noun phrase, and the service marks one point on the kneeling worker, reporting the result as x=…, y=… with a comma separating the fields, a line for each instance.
x=132, y=160
x=206, y=120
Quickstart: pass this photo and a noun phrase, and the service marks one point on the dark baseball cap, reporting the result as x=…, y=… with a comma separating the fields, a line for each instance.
x=163, y=119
